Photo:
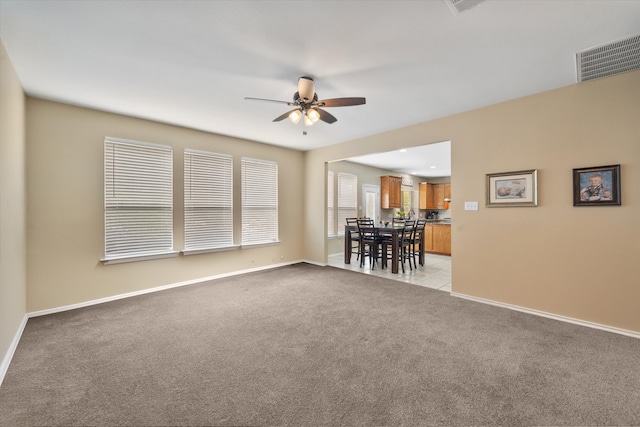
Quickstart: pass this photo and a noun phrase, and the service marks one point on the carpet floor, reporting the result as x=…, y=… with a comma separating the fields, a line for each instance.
x=304, y=345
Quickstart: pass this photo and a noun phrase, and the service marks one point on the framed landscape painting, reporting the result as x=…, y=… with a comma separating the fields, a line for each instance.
x=510, y=189
x=596, y=186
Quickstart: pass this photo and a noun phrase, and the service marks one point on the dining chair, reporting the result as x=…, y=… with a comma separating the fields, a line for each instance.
x=418, y=241
x=404, y=238
x=396, y=222
x=406, y=244
x=355, y=237
x=370, y=241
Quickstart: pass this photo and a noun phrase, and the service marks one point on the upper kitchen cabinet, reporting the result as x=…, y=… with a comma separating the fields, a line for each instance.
x=390, y=192
x=438, y=196
x=434, y=196
x=426, y=196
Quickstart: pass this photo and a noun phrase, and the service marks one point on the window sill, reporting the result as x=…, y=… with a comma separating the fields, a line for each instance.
x=135, y=258
x=187, y=252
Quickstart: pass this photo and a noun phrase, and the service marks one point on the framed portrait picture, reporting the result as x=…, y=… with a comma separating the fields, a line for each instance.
x=596, y=186
x=509, y=189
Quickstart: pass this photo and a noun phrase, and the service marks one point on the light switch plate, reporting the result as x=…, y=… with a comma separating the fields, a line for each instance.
x=470, y=206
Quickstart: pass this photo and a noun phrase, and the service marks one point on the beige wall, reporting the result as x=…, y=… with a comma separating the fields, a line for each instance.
x=65, y=198
x=578, y=262
x=13, y=195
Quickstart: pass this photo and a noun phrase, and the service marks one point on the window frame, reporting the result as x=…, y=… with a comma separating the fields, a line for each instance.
x=259, y=174
x=138, y=186
x=208, y=202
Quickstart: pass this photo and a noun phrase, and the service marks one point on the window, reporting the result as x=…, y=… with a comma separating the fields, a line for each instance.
x=138, y=198
x=208, y=200
x=347, y=199
x=259, y=201
x=406, y=201
x=331, y=224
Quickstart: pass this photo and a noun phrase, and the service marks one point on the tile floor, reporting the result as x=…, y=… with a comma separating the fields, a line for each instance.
x=435, y=274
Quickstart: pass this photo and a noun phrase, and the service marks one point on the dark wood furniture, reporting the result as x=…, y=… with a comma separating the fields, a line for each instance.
x=392, y=232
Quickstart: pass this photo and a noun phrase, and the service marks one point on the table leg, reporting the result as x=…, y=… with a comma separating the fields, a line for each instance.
x=394, y=254
x=347, y=246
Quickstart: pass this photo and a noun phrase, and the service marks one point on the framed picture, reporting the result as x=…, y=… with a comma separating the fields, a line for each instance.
x=509, y=189
x=596, y=186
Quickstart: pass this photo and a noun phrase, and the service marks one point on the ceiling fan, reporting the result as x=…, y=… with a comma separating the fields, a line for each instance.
x=308, y=106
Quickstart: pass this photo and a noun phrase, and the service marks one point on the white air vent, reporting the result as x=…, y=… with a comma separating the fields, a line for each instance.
x=458, y=6
x=609, y=59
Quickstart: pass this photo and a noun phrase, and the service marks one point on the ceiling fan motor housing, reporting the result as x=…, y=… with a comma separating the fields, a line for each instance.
x=306, y=88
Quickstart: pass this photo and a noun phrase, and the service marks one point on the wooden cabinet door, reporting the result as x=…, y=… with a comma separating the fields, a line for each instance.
x=447, y=191
x=426, y=196
x=395, y=192
x=442, y=239
x=428, y=238
x=390, y=192
x=438, y=196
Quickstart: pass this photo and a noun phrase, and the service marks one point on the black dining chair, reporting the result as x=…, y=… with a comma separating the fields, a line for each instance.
x=397, y=222
x=404, y=237
x=370, y=241
x=418, y=241
x=407, y=238
x=355, y=237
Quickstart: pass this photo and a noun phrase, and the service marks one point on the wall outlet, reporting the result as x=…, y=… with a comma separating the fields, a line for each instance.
x=470, y=206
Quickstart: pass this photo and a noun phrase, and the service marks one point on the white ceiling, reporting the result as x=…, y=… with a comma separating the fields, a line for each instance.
x=191, y=63
x=429, y=161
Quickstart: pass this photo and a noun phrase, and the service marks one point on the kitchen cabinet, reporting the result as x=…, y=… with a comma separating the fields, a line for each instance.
x=442, y=239
x=432, y=195
x=428, y=238
x=426, y=196
x=447, y=191
x=390, y=192
x=438, y=196
x=437, y=238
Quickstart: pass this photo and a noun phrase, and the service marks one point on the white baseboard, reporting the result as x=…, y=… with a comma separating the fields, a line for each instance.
x=156, y=289
x=558, y=317
x=4, y=366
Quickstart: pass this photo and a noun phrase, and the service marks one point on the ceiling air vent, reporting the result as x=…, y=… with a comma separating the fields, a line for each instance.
x=458, y=6
x=609, y=59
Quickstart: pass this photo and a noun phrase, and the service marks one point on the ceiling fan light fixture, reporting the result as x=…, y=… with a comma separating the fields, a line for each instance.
x=308, y=121
x=295, y=116
x=313, y=115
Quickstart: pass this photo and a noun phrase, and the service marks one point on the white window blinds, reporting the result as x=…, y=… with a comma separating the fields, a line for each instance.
x=208, y=200
x=331, y=222
x=347, y=199
x=259, y=201
x=138, y=198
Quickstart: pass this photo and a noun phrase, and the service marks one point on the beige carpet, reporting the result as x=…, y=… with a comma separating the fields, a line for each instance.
x=309, y=346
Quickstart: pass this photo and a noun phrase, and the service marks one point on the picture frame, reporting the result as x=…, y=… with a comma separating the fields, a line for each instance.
x=512, y=189
x=597, y=186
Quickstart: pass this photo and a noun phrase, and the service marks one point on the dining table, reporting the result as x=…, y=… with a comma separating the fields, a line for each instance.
x=385, y=230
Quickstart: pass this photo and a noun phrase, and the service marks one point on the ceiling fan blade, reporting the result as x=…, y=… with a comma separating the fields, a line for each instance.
x=326, y=117
x=341, y=102
x=285, y=115
x=270, y=100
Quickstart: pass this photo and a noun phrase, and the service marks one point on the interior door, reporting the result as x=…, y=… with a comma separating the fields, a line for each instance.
x=371, y=201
